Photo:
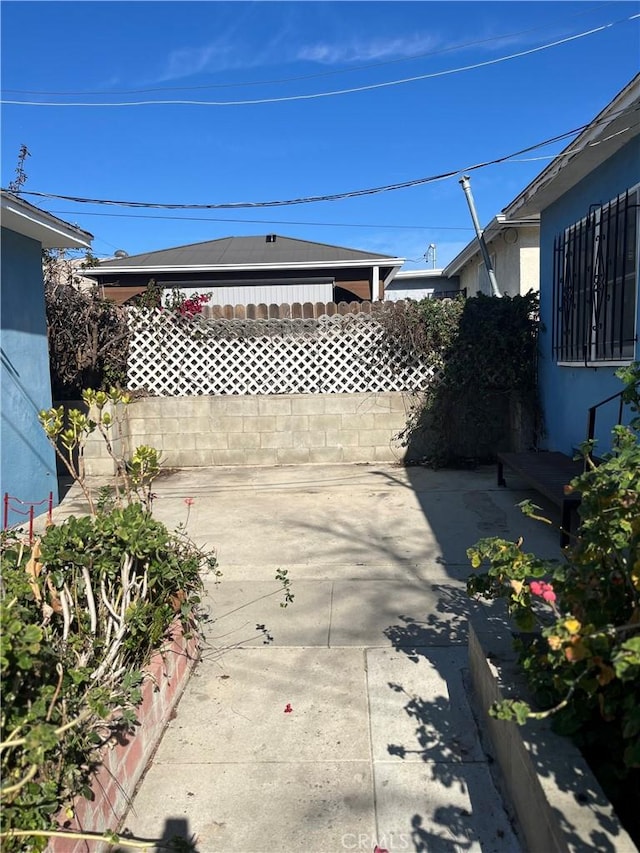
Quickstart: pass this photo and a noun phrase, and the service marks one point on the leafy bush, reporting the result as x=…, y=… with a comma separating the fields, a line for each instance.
x=88, y=340
x=81, y=611
x=581, y=617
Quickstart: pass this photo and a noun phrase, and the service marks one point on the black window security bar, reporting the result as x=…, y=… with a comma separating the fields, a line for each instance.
x=595, y=284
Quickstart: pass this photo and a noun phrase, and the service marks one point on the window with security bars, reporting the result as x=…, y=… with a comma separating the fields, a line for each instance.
x=595, y=286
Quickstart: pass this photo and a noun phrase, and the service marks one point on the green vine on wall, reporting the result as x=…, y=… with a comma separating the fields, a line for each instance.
x=483, y=355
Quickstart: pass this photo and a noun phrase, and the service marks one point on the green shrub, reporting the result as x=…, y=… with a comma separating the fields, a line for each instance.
x=582, y=615
x=81, y=611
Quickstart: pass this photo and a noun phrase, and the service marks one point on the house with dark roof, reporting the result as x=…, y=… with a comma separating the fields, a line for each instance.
x=27, y=460
x=267, y=269
x=588, y=201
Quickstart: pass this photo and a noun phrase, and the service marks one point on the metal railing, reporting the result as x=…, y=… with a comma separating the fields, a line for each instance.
x=591, y=418
x=29, y=513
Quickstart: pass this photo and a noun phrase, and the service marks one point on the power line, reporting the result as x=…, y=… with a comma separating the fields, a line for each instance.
x=262, y=221
x=333, y=196
x=313, y=96
x=332, y=73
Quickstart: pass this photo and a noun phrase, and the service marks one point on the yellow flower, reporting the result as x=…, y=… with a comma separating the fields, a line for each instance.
x=555, y=643
x=572, y=626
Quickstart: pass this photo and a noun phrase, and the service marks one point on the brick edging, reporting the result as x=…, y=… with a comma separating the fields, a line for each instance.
x=124, y=762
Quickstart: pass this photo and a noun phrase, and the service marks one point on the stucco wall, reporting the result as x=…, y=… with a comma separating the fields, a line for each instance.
x=568, y=392
x=27, y=466
x=517, y=265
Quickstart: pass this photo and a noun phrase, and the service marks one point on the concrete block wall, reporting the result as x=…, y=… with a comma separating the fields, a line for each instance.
x=269, y=430
x=559, y=804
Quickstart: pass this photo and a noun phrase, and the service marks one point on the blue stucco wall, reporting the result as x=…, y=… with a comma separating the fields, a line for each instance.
x=568, y=392
x=27, y=460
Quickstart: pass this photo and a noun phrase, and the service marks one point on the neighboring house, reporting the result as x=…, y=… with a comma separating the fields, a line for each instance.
x=421, y=284
x=588, y=201
x=513, y=247
x=251, y=270
x=27, y=460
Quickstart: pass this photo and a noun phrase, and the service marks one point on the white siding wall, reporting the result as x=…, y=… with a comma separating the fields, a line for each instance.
x=395, y=294
x=276, y=294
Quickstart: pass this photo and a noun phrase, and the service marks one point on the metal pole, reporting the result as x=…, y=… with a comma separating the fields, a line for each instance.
x=466, y=186
x=6, y=511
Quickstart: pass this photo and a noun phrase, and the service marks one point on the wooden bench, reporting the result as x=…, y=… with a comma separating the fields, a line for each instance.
x=548, y=473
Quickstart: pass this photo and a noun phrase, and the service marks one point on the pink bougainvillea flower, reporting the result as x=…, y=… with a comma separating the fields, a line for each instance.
x=189, y=501
x=377, y=849
x=288, y=709
x=544, y=590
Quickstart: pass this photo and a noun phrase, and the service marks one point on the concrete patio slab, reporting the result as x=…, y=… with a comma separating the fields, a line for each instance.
x=283, y=807
x=373, y=515
x=250, y=613
x=441, y=808
x=370, y=656
x=418, y=707
x=234, y=709
x=379, y=612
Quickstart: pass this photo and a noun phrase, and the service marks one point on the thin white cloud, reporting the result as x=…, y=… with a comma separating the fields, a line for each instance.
x=231, y=51
x=376, y=49
x=188, y=61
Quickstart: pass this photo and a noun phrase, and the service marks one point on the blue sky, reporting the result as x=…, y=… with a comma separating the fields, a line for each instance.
x=293, y=131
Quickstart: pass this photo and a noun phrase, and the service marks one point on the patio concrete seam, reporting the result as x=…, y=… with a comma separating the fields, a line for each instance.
x=333, y=584
x=372, y=762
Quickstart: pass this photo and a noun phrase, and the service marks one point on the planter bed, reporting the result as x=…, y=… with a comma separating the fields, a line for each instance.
x=124, y=763
x=558, y=803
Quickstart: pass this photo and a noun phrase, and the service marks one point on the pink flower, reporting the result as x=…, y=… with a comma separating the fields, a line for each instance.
x=189, y=501
x=544, y=590
x=377, y=849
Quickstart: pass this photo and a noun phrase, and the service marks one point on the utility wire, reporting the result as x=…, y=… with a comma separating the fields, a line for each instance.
x=286, y=221
x=332, y=73
x=333, y=196
x=306, y=97
x=262, y=221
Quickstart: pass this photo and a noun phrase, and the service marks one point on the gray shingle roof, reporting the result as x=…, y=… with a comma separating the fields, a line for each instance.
x=234, y=251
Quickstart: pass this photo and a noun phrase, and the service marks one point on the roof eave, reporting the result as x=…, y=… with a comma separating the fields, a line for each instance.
x=606, y=133
x=53, y=233
x=195, y=268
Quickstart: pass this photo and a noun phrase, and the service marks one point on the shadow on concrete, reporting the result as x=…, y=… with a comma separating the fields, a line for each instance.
x=175, y=838
x=582, y=792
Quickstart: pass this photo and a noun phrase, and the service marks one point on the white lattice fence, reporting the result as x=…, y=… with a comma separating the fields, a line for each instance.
x=338, y=354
